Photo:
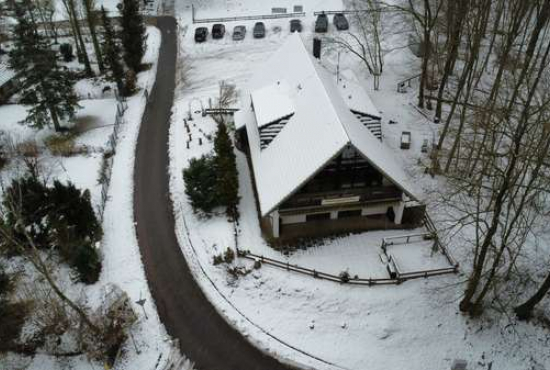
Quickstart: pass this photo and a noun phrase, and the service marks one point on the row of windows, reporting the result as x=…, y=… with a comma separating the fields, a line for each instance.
x=326, y=215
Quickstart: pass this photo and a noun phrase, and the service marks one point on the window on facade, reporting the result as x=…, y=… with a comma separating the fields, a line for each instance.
x=349, y=213
x=317, y=216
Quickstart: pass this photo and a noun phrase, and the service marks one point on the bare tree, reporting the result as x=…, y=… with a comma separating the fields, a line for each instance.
x=91, y=18
x=74, y=18
x=425, y=15
x=364, y=40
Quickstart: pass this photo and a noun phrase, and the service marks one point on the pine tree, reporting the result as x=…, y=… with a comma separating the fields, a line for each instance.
x=112, y=52
x=227, y=185
x=133, y=34
x=47, y=87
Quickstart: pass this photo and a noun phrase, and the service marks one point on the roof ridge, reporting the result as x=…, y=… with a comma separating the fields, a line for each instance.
x=325, y=90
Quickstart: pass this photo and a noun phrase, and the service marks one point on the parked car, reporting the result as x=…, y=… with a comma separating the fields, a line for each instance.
x=340, y=22
x=259, y=30
x=200, y=34
x=239, y=33
x=321, y=24
x=218, y=31
x=405, y=140
x=295, y=25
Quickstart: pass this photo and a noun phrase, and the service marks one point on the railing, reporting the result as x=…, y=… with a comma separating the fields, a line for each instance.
x=365, y=195
x=107, y=166
x=245, y=17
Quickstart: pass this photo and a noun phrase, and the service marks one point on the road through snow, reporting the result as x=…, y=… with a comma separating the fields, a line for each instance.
x=205, y=337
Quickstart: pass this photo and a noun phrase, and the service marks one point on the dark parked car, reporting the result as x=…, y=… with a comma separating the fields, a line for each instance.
x=321, y=24
x=259, y=30
x=340, y=22
x=239, y=32
x=295, y=25
x=200, y=34
x=218, y=30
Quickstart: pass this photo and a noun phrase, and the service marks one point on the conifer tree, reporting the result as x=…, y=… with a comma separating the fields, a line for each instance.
x=48, y=87
x=227, y=186
x=133, y=34
x=112, y=52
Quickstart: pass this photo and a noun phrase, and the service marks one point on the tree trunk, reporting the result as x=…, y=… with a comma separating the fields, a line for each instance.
x=84, y=53
x=525, y=311
x=90, y=17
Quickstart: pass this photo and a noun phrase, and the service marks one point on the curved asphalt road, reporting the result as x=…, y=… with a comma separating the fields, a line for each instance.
x=204, y=335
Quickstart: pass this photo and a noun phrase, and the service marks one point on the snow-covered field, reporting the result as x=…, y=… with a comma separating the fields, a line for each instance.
x=321, y=324
x=122, y=265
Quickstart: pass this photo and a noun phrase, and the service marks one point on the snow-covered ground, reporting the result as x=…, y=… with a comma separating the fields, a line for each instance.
x=321, y=324
x=150, y=346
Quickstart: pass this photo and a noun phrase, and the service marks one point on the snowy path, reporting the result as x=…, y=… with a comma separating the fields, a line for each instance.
x=205, y=337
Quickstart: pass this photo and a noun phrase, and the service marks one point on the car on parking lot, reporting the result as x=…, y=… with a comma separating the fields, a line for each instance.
x=239, y=33
x=321, y=24
x=218, y=31
x=259, y=30
x=200, y=34
x=340, y=22
x=295, y=25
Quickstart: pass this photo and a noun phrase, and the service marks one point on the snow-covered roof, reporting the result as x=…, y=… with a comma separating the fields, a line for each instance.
x=356, y=98
x=321, y=127
x=6, y=73
x=272, y=103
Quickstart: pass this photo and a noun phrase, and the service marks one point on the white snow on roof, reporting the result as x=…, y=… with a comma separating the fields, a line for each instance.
x=356, y=98
x=272, y=103
x=321, y=127
x=6, y=73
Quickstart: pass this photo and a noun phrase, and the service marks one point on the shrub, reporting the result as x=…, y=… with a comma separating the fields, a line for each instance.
x=61, y=217
x=63, y=145
x=344, y=276
x=12, y=319
x=26, y=206
x=229, y=255
x=74, y=230
x=218, y=259
x=200, y=180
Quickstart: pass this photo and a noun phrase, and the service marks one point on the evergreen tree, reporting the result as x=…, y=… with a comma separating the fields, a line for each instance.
x=112, y=52
x=133, y=34
x=59, y=218
x=200, y=183
x=227, y=184
x=47, y=87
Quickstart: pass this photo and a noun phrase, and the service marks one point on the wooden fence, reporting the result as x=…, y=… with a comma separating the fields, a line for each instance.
x=344, y=279
x=396, y=274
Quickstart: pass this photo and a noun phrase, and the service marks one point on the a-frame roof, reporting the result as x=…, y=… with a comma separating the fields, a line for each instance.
x=321, y=127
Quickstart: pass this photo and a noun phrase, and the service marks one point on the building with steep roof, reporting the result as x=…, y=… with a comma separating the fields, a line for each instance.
x=318, y=163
